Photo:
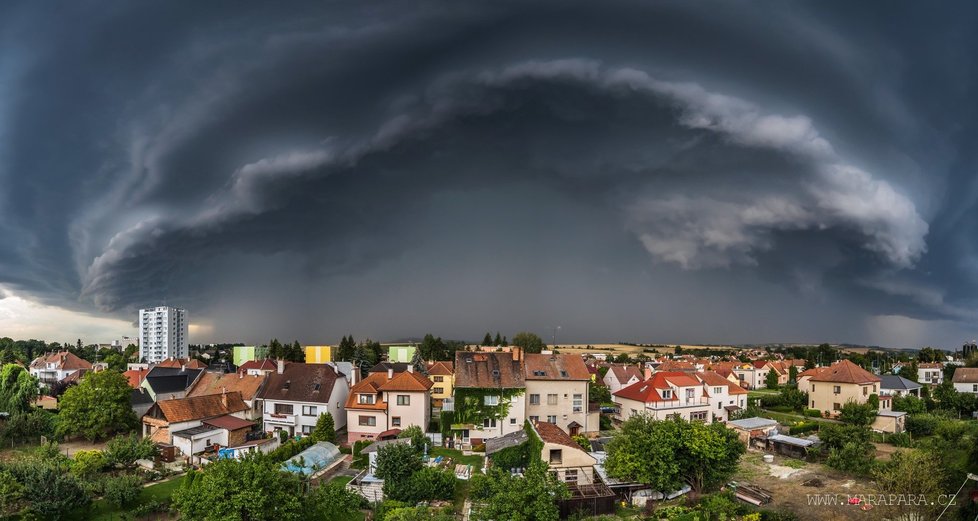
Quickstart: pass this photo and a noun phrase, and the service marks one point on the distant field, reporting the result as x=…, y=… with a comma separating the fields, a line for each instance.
x=631, y=350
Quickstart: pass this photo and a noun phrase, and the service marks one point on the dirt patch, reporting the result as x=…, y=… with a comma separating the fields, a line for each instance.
x=813, y=493
x=71, y=447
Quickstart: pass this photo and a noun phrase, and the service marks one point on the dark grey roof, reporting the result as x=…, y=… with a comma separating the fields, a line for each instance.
x=171, y=379
x=377, y=445
x=504, y=442
x=894, y=381
x=599, y=444
x=399, y=367
x=140, y=397
x=193, y=431
x=749, y=424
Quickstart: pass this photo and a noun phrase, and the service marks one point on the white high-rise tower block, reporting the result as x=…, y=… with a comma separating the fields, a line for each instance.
x=162, y=333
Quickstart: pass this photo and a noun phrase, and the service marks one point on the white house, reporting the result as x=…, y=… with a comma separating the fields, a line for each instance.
x=620, y=376
x=664, y=395
x=930, y=373
x=384, y=401
x=725, y=396
x=54, y=367
x=295, y=395
x=965, y=380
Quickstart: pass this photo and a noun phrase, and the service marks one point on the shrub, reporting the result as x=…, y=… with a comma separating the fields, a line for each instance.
x=900, y=439
x=771, y=400
x=123, y=490
x=125, y=450
x=803, y=427
x=813, y=413
x=88, y=463
x=922, y=424
x=427, y=484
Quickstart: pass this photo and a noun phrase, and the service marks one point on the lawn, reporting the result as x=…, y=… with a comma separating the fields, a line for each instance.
x=102, y=510
x=340, y=481
x=475, y=460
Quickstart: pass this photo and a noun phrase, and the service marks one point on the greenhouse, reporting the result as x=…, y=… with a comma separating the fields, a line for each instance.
x=320, y=456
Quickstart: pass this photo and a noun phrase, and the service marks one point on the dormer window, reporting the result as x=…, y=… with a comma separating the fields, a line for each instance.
x=667, y=394
x=285, y=386
x=315, y=388
x=365, y=399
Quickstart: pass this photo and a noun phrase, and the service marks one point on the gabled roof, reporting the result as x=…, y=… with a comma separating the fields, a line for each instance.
x=198, y=407
x=897, y=382
x=264, y=364
x=135, y=376
x=488, y=370
x=170, y=379
x=551, y=433
x=369, y=385
x=407, y=381
x=230, y=423
x=180, y=362
x=441, y=368
x=301, y=383
x=650, y=390
x=214, y=383
x=555, y=367
x=965, y=375
x=676, y=365
x=713, y=379
x=624, y=373
x=506, y=441
x=382, y=367
x=759, y=364
x=63, y=360
x=844, y=371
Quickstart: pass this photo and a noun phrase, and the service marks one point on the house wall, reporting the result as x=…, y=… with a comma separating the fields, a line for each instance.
x=612, y=383
x=355, y=431
x=889, y=424
x=200, y=442
x=571, y=459
x=299, y=423
x=319, y=354
x=447, y=386
x=966, y=388
x=513, y=421
x=822, y=396
x=563, y=411
x=718, y=401
x=933, y=376
x=630, y=408
x=417, y=412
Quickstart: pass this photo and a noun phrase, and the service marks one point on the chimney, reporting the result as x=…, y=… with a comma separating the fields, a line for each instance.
x=281, y=366
x=224, y=399
x=240, y=374
x=183, y=368
x=410, y=368
x=390, y=372
x=517, y=354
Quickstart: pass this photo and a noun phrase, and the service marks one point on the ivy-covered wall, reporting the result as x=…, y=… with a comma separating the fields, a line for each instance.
x=471, y=408
x=520, y=456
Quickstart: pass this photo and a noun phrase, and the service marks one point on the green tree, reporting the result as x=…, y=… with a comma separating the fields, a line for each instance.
x=909, y=371
x=275, y=349
x=666, y=454
x=11, y=495
x=344, y=351
x=794, y=398
x=325, y=428
x=909, y=404
x=252, y=488
x=487, y=340
x=418, y=514
x=792, y=375
x=848, y=447
x=48, y=489
x=771, y=380
x=396, y=463
x=123, y=490
x=599, y=393
x=294, y=352
x=860, y=414
x=332, y=502
x=500, y=495
x=124, y=450
x=434, y=348
x=427, y=484
x=910, y=474
x=498, y=341
x=419, y=441
x=528, y=342
x=88, y=463
x=97, y=407
x=18, y=389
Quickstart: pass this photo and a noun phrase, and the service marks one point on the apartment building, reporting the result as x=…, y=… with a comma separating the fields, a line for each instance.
x=162, y=333
x=557, y=392
x=665, y=395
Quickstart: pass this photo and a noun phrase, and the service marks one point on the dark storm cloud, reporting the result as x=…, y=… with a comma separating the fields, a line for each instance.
x=251, y=162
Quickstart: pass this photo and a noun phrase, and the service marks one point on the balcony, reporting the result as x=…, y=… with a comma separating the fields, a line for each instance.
x=280, y=419
x=678, y=404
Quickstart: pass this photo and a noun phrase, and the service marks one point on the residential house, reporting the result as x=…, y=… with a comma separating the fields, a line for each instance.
x=748, y=429
x=382, y=404
x=223, y=431
x=753, y=375
x=259, y=367
x=140, y=401
x=54, y=367
x=296, y=394
x=620, y=376
x=247, y=385
x=177, y=363
x=930, y=373
x=167, y=417
x=725, y=396
x=319, y=354
x=896, y=385
x=557, y=392
x=241, y=355
x=442, y=375
x=829, y=388
x=489, y=398
x=168, y=383
x=563, y=456
x=965, y=380
x=664, y=395
x=890, y=421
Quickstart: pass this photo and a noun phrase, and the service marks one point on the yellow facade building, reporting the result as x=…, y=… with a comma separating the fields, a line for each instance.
x=319, y=354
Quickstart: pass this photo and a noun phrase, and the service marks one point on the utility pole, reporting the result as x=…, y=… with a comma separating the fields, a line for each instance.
x=554, y=345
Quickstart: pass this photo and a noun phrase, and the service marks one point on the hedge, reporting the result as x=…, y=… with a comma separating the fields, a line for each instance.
x=813, y=413
x=803, y=427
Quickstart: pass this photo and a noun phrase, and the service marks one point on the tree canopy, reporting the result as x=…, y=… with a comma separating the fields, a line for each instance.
x=18, y=389
x=532, y=497
x=325, y=428
x=97, y=407
x=252, y=488
x=528, y=342
x=667, y=454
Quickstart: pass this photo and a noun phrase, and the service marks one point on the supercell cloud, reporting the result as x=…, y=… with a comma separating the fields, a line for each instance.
x=667, y=172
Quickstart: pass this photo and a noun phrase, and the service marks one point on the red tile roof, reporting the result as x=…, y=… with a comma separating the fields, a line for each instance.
x=441, y=368
x=551, y=433
x=231, y=423
x=215, y=383
x=263, y=365
x=135, y=376
x=713, y=379
x=555, y=367
x=844, y=371
x=180, y=362
x=199, y=407
x=407, y=381
x=488, y=370
x=63, y=360
x=301, y=383
x=368, y=385
x=649, y=390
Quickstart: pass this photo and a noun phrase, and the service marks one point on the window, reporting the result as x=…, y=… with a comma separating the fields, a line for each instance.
x=552, y=419
x=534, y=399
x=836, y=406
x=366, y=399
x=404, y=399
x=439, y=379
x=697, y=416
x=718, y=390
x=813, y=404
x=491, y=400
x=534, y=418
x=719, y=405
x=307, y=429
x=368, y=421
x=836, y=389
x=489, y=423
x=865, y=391
x=308, y=410
x=578, y=402
x=556, y=456
x=283, y=408
x=570, y=475
x=667, y=394
x=974, y=388
x=551, y=399
x=396, y=421
x=690, y=394
x=813, y=388
x=437, y=390
x=207, y=443
x=512, y=421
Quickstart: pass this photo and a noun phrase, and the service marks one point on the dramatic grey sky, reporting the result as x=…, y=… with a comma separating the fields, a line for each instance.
x=645, y=171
